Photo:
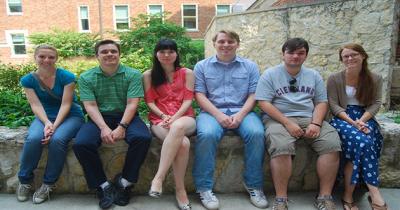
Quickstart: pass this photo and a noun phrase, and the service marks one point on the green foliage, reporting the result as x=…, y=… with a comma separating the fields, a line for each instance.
x=14, y=110
x=137, y=60
x=11, y=74
x=77, y=66
x=148, y=30
x=68, y=43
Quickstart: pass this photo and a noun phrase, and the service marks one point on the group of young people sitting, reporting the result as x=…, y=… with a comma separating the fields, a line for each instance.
x=293, y=100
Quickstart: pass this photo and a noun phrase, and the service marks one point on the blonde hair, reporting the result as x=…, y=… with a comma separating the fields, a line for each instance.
x=44, y=46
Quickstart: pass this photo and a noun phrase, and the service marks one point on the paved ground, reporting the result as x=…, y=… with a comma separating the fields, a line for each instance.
x=239, y=201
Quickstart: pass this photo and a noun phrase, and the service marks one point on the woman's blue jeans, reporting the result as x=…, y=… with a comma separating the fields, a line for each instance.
x=209, y=135
x=57, y=149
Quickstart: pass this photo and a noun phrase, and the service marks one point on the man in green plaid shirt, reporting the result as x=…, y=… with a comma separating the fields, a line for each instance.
x=110, y=93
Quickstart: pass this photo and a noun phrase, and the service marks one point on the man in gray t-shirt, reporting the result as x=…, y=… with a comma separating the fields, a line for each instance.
x=294, y=101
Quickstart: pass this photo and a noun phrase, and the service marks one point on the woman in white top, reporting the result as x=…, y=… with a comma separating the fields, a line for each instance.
x=354, y=96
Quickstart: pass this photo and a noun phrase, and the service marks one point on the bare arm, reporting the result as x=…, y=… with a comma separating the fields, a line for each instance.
x=247, y=107
x=94, y=113
x=66, y=104
x=130, y=111
x=36, y=105
x=38, y=110
x=292, y=127
x=314, y=128
x=187, y=103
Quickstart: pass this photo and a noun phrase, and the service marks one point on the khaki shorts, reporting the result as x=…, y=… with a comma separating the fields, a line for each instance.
x=280, y=142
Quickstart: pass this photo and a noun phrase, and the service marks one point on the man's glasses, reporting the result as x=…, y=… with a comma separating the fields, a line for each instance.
x=292, y=86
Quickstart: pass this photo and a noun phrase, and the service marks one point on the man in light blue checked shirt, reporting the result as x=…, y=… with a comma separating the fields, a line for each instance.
x=224, y=89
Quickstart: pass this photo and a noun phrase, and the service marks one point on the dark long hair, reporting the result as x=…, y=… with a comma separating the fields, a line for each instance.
x=366, y=88
x=158, y=76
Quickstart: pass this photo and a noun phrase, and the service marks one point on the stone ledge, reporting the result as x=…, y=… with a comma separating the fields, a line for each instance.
x=228, y=171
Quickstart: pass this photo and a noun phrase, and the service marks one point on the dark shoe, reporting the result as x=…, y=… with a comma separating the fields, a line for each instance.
x=122, y=194
x=106, y=196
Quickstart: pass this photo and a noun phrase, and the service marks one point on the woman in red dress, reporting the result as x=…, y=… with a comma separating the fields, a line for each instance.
x=168, y=94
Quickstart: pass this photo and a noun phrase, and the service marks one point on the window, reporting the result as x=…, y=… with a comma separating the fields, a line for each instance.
x=155, y=9
x=189, y=16
x=17, y=42
x=121, y=17
x=84, y=18
x=14, y=7
x=223, y=9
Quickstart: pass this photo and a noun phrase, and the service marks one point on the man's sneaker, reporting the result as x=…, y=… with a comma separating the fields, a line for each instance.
x=106, y=196
x=122, y=194
x=209, y=200
x=42, y=194
x=257, y=197
x=23, y=191
x=280, y=204
x=325, y=203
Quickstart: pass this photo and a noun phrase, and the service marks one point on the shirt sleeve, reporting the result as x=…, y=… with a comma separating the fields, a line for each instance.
x=254, y=77
x=187, y=94
x=199, y=84
x=265, y=90
x=67, y=77
x=85, y=90
x=135, y=88
x=26, y=81
x=320, y=91
x=150, y=95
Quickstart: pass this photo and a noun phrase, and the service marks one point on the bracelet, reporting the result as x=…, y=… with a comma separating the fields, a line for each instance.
x=316, y=124
x=124, y=125
x=162, y=115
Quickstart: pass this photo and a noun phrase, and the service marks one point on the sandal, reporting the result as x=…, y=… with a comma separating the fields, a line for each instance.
x=348, y=205
x=376, y=206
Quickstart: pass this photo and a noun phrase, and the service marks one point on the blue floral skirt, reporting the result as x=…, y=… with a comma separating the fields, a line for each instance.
x=363, y=150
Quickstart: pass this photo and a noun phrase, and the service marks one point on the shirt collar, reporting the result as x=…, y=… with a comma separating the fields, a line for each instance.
x=214, y=59
x=120, y=70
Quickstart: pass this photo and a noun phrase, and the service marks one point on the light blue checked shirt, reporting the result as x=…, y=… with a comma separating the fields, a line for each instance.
x=226, y=85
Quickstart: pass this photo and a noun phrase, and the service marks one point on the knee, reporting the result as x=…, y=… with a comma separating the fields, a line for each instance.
x=34, y=138
x=58, y=141
x=177, y=127
x=254, y=136
x=185, y=144
x=208, y=135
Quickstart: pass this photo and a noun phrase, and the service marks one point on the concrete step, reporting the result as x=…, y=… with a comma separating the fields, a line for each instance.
x=237, y=201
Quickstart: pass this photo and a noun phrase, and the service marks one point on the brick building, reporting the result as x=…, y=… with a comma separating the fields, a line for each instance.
x=20, y=18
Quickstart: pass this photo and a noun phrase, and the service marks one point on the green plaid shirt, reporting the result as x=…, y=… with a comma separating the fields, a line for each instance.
x=110, y=92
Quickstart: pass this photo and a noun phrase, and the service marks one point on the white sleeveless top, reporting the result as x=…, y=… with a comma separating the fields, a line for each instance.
x=351, y=95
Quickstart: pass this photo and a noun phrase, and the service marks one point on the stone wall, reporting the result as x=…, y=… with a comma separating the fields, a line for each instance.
x=326, y=25
x=228, y=171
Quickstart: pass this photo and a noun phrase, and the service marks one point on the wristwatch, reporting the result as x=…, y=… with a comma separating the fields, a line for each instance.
x=124, y=125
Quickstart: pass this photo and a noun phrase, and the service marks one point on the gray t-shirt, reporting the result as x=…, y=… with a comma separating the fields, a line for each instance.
x=274, y=87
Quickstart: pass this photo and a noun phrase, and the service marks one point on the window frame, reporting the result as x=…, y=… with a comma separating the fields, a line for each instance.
x=115, y=17
x=216, y=9
x=10, y=43
x=162, y=9
x=80, y=19
x=13, y=13
x=197, y=17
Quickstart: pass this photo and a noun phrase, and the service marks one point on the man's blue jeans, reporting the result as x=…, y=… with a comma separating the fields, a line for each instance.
x=88, y=140
x=209, y=135
x=57, y=149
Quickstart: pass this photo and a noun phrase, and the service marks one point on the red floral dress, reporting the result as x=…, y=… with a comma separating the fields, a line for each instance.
x=169, y=97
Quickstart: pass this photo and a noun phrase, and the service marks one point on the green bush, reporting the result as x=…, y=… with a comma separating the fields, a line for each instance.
x=11, y=74
x=148, y=30
x=68, y=43
x=14, y=110
x=137, y=60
